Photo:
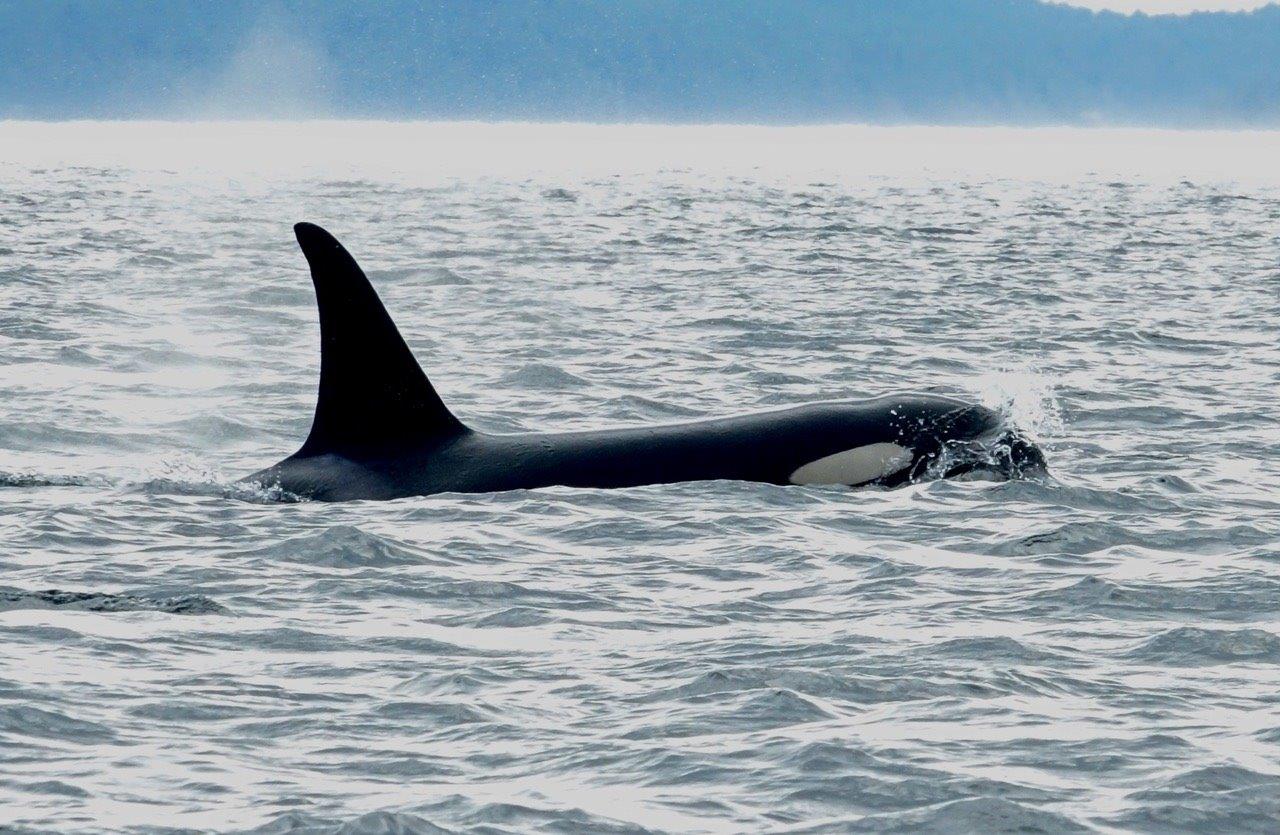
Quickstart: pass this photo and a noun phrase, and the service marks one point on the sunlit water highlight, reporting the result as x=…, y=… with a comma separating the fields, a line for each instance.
x=1098, y=650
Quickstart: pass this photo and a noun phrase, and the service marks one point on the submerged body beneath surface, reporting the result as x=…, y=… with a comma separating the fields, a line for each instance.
x=381, y=431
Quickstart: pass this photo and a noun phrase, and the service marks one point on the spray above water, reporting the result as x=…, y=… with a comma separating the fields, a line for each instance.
x=1027, y=412
x=1026, y=398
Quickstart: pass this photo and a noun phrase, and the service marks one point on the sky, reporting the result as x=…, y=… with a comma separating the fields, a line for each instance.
x=1169, y=6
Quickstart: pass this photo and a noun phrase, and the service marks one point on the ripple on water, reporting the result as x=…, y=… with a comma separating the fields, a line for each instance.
x=184, y=604
x=19, y=720
x=1193, y=647
x=1237, y=596
x=341, y=546
x=1199, y=800
x=978, y=814
x=1095, y=648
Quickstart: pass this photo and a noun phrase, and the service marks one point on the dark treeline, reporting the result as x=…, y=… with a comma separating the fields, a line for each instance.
x=893, y=61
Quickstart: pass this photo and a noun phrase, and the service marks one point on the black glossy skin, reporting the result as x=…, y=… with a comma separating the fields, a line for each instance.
x=381, y=432
x=766, y=447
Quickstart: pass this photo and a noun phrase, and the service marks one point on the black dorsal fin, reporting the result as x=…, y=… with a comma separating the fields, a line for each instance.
x=374, y=398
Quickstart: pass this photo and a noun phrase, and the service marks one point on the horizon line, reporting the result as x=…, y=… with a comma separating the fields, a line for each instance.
x=583, y=123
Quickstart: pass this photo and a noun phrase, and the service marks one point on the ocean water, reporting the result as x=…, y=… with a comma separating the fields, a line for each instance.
x=1094, y=650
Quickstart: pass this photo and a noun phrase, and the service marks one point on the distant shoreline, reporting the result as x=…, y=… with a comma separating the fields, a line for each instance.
x=800, y=62
x=655, y=124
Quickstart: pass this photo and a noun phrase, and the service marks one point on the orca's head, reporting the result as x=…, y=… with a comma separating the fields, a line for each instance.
x=950, y=438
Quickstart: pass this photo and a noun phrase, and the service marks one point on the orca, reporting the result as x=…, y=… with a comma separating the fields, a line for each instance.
x=381, y=431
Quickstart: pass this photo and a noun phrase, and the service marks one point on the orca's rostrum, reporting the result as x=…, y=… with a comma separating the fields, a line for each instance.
x=381, y=431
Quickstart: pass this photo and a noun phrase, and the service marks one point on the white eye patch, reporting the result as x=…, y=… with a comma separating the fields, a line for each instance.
x=854, y=466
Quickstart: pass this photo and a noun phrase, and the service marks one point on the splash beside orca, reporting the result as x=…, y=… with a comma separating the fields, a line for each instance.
x=381, y=432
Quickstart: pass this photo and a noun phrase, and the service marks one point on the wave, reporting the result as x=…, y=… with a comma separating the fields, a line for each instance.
x=1188, y=646
x=176, y=482
x=248, y=491
x=1225, y=598
x=342, y=546
x=1217, y=798
x=473, y=816
x=977, y=814
x=90, y=601
x=371, y=823
x=32, y=480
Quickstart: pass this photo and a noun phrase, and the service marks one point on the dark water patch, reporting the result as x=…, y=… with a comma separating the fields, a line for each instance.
x=663, y=239
x=939, y=231
x=525, y=817
x=996, y=649
x=463, y=815
x=1073, y=538
x=1100, y=755
x=341, y=546
x=731, y=712
x=978, y=814
x=716, y=681
x=540, y=376
x=290, y=640
x=40, y=635
x=563, y=195
x=449, y=683
x=372, y=823
x=384, y=762
x=512, y=618
x=18, y=327
x=674, y=768
x=185, y=711
x=71, y=355
x=435, y=713
x=776, y=708
x=187, y=604
x=843, y=756
x=1174, y=485
x=17, y=479
x=1188, y=646
x=845, y=687
x=881, y=793
x=54, y=788
x=28, y=721
x=1232, y=597
x=431, y=648
x=1218, y=798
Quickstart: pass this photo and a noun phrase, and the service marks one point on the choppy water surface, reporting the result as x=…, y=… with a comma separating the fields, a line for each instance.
x=1098, y=650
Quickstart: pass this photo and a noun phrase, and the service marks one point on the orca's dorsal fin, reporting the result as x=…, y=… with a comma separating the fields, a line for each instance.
x=374, y=398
